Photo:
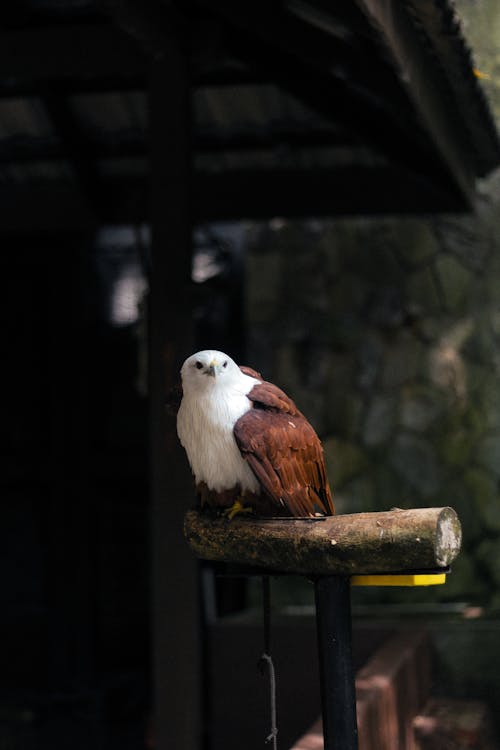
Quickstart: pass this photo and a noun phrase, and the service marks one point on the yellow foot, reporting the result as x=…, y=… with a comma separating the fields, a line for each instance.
x=236, y=508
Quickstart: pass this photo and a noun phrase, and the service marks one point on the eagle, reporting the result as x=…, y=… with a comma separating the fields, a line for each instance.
x=249, y=447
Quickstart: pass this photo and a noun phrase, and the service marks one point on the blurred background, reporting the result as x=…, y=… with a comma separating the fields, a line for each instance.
x=314, y=188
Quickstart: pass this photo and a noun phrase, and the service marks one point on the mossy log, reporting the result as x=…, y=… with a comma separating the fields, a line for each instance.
x=354, y=544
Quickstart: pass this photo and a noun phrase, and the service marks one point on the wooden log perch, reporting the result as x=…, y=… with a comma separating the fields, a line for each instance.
x=355, y=544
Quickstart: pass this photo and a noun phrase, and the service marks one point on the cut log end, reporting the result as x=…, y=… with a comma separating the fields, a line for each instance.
x=448, y=537
x=356, y=544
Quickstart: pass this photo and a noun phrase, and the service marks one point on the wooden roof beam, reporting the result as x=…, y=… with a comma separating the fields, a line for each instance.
x=82, y=58
x=55, y=206
x=126, y=146
x=294, y=193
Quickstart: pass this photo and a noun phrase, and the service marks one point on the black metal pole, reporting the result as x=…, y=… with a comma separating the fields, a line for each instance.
x=338, y=694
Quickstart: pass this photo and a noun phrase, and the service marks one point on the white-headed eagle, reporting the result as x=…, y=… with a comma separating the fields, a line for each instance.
x=248, y=445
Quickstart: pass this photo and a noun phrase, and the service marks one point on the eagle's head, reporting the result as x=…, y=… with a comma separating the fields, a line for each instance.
x=208, y=369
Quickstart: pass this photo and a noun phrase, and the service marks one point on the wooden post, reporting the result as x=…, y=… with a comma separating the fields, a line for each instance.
x=175, y=608
x=330, y=550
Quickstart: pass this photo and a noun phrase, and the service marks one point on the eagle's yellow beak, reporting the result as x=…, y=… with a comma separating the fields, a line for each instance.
x=211, y=368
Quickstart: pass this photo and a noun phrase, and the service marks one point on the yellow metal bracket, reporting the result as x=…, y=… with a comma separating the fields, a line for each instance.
x=400, y=579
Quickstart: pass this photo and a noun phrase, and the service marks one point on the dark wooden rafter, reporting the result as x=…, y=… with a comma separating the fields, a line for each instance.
x=275, y=137
x=337, y=191
x=87, y=57
x=344, y=14
x=39, y=150
x=130, y=145
x=227, y=74
x=17, y=16
x=97, y=57
x=344, y=55
x=332, y=47
x=239, y=194
x=149, y=23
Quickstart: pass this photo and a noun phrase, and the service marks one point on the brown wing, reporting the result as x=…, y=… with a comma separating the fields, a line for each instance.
x=284, y=453
x=250, y=371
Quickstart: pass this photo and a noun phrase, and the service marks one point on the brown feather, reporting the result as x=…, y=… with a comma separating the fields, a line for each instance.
x=284, y=453
x=250, y=371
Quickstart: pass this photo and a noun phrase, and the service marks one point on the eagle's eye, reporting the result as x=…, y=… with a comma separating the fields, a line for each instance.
x=199, y=365
x=225, y=364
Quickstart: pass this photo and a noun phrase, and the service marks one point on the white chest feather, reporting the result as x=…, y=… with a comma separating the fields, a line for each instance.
x=205, y=425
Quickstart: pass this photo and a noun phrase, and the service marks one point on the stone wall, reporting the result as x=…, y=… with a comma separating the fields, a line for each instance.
x=387, y=333
x=481, y=28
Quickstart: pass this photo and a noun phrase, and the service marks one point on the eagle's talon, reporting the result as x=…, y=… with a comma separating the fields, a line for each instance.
x=237, y=507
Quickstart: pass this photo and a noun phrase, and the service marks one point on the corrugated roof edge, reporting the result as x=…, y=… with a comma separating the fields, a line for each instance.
x=439, y=21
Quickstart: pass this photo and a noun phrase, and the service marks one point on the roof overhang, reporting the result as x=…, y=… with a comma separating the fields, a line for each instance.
x=300, y=108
